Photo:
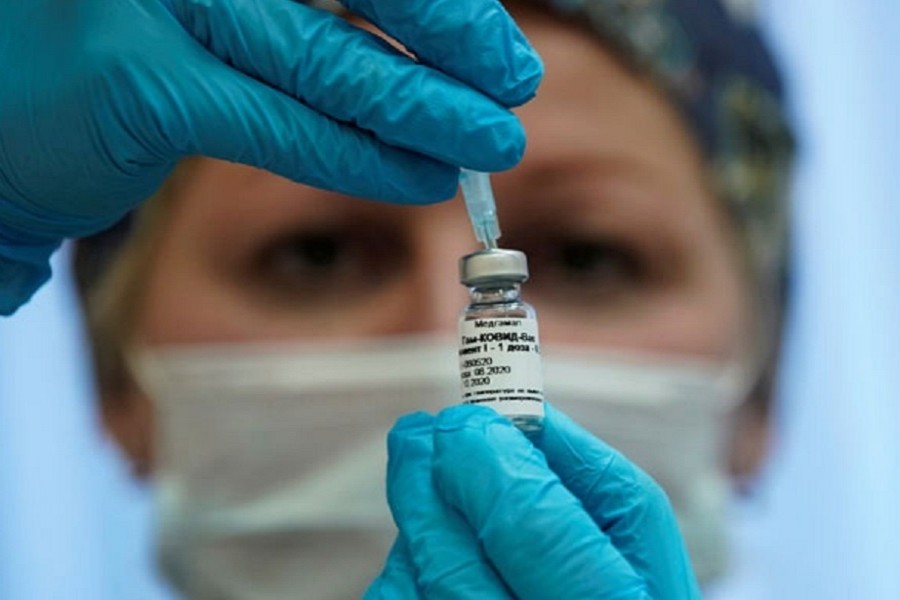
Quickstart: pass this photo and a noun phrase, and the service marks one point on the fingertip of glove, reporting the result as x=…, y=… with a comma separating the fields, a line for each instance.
x=467, y=416
x=19, y=282
x=409, y=441
x=427, y=182
x=527, y=78
x=507, y=137
x=9, y=304
x=412, y=423
x=417, y=425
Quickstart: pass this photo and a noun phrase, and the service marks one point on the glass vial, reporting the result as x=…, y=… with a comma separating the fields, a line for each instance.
x=499, y=352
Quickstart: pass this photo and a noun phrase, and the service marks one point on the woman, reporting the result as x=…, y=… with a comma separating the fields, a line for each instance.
x=255, y=338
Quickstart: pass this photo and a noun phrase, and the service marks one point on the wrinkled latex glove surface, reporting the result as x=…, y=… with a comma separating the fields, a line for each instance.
x=100, y=98
x=485, y=513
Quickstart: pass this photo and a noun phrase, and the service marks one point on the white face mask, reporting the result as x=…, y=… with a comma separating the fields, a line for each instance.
x=272, y=458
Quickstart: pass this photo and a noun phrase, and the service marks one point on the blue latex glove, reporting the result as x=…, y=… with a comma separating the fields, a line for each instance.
x=485, y=513
x=99, y=98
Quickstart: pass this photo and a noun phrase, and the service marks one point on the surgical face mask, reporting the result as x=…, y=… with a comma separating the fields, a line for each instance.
x=272, y=458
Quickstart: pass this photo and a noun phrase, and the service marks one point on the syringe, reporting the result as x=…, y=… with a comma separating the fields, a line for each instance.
x=476, y=189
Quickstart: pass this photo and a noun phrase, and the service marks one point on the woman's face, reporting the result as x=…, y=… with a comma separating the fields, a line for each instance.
x=627, y=246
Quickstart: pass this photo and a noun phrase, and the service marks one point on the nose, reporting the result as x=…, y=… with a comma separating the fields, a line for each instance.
x=440, y=238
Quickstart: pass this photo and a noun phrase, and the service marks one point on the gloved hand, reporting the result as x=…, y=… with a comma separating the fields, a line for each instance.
x=484, y=513
x=99, y=98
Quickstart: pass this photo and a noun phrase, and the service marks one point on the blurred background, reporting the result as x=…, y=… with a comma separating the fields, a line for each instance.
x=822, y=521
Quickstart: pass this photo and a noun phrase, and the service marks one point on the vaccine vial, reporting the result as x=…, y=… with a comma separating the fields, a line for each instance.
x=499, y=351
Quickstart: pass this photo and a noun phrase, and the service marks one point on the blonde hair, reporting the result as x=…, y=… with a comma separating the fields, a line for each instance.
x=113, y=303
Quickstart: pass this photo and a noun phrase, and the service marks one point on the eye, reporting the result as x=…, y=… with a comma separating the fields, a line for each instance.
x=578, y=269
x=593, y=262
x=312, y=255
x=309, y=259
x=326, y=265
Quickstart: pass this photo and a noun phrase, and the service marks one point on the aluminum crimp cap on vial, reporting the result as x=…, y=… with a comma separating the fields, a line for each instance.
x=494, y=265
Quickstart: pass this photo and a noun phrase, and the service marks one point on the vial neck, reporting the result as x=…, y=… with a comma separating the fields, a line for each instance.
x=495, y=293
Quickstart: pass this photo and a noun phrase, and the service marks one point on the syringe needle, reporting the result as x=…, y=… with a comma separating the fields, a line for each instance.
x=476, y=189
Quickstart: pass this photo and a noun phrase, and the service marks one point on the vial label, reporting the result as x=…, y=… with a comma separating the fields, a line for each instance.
x=500, y=365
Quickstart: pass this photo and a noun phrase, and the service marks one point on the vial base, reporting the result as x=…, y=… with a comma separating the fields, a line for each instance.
x=527, y=423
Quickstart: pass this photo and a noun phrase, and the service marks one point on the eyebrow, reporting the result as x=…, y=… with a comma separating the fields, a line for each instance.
x=581, y=177
x=543, y=165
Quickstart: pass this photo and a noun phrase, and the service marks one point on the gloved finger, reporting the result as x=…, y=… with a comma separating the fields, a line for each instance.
x=445, y=551
x=398, y=579
x=475, y=41
x=624, y=501
x=357, y=78
x=535, y=532
x=230, y=116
